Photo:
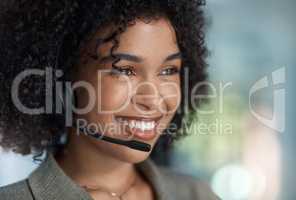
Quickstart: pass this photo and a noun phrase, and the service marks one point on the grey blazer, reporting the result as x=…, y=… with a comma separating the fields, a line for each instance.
x=49, y=182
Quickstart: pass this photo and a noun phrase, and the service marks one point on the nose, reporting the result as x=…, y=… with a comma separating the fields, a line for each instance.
x=147, y=98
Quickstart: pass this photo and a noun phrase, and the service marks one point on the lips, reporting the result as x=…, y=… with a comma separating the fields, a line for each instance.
x=141, y=127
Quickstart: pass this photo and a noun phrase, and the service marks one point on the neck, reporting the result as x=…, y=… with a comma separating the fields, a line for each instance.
x=87, y=165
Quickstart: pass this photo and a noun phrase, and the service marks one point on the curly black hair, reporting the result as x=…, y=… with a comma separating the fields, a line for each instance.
x=38, y=34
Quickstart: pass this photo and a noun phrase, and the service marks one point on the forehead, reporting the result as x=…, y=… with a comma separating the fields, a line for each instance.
x=146, y=32
x=155, y=37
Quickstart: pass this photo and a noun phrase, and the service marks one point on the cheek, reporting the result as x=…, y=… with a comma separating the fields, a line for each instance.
x=171, y=95
x=114, y=94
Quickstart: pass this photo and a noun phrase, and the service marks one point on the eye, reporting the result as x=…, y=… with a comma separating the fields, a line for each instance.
x=169, y=71
x=126, y=70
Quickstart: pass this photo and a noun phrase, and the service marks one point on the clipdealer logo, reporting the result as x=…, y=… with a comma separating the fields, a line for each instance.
x=278, y=80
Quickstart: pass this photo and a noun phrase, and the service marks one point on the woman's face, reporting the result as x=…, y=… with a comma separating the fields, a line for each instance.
x=139, y=97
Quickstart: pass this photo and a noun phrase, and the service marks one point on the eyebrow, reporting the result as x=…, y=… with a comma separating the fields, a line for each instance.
x=174, y=56
x=134, y=58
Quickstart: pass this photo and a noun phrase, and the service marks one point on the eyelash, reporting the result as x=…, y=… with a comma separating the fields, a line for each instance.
x=173, y=69
x=116, y=70
x=129, y=71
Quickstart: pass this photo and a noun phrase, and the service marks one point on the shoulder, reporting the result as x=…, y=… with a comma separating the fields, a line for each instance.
x=16, y=191
x=186, y=187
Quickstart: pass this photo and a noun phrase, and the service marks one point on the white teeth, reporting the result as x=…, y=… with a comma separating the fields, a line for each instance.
x=132, y=124
x=142, y=125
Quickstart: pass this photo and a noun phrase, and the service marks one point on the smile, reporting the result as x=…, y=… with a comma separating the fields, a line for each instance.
x=138, y=124
x=143, y=128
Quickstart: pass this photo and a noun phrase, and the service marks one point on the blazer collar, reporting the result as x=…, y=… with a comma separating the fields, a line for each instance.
x=49, y=182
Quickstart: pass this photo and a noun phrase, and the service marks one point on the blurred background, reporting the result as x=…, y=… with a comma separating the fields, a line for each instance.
x=242, y=140
x=244, y=146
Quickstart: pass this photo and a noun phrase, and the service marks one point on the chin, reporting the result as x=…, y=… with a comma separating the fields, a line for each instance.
x=132, y=156
x=123, y=153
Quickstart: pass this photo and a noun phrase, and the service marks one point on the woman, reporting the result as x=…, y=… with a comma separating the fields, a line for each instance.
x=125, y=62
